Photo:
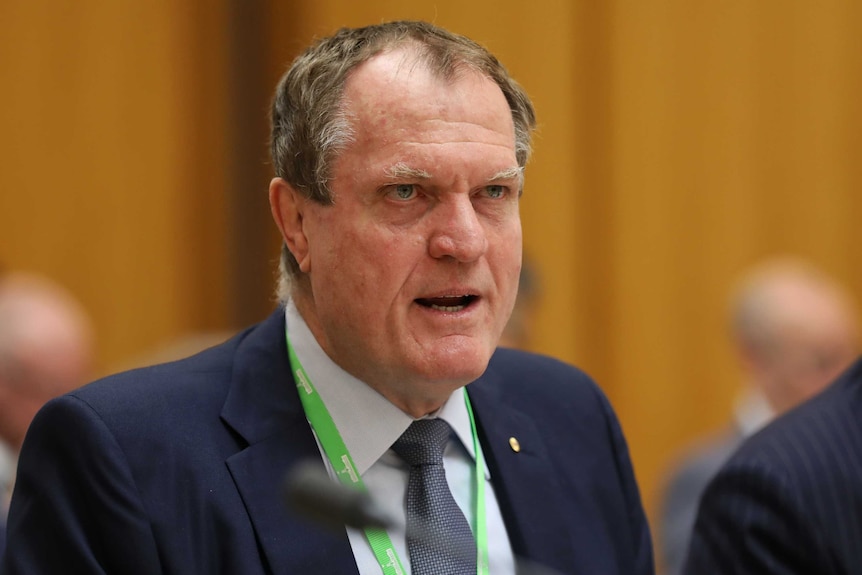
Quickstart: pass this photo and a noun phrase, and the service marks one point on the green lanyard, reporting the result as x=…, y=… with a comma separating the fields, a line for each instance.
x=322, y=424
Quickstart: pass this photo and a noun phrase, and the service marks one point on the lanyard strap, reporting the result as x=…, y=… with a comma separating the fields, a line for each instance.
x=341, y=461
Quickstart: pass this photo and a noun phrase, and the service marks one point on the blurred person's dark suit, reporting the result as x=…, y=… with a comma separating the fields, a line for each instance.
x=789, y=502
x=683, y=491
x=694, y=471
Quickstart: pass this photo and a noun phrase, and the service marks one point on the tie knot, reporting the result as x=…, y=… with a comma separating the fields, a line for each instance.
x=423, y=442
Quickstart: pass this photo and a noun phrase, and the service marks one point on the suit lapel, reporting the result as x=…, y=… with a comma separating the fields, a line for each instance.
x=525, y=482
x=263, y=407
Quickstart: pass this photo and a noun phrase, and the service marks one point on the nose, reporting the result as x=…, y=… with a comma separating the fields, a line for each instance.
x=458, y=232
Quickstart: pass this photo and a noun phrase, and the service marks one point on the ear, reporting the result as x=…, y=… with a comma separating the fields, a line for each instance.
x=288, y=205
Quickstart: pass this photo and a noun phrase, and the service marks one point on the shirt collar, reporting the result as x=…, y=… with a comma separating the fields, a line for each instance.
x=349, y=401
x=752, y=411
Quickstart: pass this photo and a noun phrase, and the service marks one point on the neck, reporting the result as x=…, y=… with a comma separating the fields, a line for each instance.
x=414, y=403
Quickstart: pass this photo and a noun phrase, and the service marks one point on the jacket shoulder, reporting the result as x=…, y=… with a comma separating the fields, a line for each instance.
x=534, y=372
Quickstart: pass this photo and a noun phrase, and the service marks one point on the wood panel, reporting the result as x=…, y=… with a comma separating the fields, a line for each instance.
x=734, y=130
x=112, y=179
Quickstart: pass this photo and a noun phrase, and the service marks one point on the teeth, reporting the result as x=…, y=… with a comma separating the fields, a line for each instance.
x=450, y=308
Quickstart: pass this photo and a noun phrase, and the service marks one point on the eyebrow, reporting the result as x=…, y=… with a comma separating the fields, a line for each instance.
x=403, y=171
x=508, y=174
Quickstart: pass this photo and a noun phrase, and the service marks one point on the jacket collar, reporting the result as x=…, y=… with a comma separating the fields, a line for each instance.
x=263, y=408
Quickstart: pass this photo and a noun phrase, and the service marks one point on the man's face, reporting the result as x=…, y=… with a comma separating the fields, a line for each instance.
x=414, y=268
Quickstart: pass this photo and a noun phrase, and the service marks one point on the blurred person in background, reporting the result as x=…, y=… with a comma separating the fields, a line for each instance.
x=46, y=349
x=519, y=328
x=794, y=331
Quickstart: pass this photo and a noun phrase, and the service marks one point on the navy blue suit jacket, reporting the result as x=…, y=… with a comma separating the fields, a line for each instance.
x=178, y=469
x=789, y=502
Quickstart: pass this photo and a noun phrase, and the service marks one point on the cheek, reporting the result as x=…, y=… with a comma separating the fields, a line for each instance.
x=505, y=253
x=337, y=242
x=360, y=261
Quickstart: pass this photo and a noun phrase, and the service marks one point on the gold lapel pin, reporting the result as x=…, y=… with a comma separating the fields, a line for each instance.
x=514, y=444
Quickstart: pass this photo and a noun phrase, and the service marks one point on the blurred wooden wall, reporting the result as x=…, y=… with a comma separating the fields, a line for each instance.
x=734, y=132
x=114, y=162
x=679, y=143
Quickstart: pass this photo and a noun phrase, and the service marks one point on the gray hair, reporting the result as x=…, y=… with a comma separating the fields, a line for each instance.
x=308, y=122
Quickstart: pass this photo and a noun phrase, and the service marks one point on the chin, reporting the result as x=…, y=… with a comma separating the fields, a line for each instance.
x=457, y=364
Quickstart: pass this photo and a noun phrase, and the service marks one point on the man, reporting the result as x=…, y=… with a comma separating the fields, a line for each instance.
x=789, y=501
x=399, y=151
x=46, y=349
x=794, y=332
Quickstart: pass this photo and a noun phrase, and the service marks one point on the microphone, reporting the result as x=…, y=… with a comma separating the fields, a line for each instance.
x=310, y=492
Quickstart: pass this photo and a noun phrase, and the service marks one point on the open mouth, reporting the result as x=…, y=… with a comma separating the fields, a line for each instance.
x=449, y=303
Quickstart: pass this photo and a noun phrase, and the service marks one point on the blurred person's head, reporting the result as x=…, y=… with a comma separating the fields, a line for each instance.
x=795, y=330
x=46, y=349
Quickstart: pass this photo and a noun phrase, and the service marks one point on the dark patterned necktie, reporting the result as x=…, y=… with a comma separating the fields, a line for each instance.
x=439, y=539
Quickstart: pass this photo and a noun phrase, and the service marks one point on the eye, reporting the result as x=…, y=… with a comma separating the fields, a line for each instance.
x=404, y=191
x=495, y=191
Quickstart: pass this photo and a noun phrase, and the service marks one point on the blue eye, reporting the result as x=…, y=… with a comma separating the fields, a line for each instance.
x=495, y=191
x=405, y=191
